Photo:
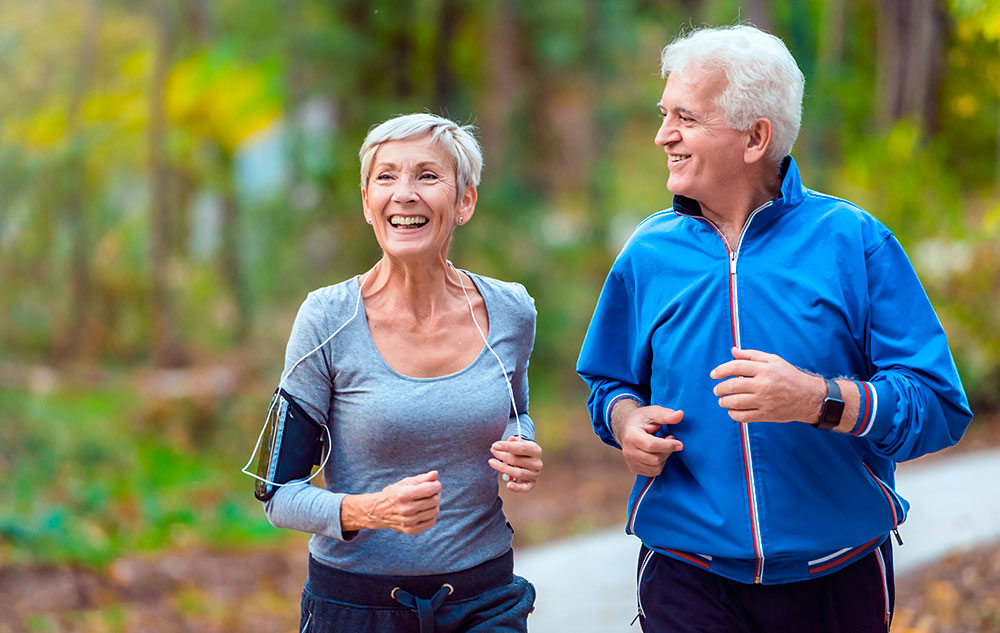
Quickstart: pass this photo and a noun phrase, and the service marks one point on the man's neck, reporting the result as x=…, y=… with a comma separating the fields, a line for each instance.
x=730, y=214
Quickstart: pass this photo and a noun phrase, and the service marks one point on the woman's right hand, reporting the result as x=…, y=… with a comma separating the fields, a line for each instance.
x=411, y=506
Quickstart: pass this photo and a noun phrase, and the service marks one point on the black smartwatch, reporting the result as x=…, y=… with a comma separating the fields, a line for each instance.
x=833, y=407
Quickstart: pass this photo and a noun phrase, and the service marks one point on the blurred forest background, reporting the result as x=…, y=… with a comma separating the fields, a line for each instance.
x=176, y=175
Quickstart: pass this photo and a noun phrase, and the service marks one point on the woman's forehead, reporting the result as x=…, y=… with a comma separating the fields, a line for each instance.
x=414, y=150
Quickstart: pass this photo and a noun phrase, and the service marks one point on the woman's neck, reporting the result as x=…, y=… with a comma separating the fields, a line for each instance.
x=418, y=289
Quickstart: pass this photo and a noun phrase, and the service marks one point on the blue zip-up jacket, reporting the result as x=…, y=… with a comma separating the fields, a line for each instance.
x=822, y=284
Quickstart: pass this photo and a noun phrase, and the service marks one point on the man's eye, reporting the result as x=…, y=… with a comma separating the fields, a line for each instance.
x=686, y=119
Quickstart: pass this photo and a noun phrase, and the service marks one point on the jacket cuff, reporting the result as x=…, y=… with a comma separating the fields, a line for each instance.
x=875, y=410
x=612, y=399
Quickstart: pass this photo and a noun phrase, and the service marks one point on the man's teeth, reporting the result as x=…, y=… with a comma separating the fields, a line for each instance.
x=677, y=157
x=407, y=220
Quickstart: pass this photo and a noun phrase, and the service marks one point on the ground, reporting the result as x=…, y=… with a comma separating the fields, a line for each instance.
x=583, y=488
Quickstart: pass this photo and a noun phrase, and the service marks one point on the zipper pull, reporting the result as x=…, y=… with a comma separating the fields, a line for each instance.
x=899, y=539
x=732, y=264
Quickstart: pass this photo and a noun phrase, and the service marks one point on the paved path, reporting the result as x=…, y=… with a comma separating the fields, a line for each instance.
x=587, y=585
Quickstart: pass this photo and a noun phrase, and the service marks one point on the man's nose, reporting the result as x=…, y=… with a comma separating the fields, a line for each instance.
x=667, y=133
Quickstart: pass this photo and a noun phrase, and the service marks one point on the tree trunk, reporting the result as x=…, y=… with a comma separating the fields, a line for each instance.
x=229, y=253
x=504, y=87
x=831, y=38
x=167, y=350
x=912, y=54
x=759, y=14
x=198, y=19
x=443, y=98
x=77, y=327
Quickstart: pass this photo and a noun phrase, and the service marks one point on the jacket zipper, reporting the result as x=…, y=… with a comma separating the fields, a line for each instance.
x=890, y=496
x=758, y=543
x=638, y=586
x=885, y=585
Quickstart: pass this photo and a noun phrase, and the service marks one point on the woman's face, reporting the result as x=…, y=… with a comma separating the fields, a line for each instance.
x=411, y=198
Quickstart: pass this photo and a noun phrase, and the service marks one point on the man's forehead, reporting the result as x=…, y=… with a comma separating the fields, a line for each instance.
x=682, y=89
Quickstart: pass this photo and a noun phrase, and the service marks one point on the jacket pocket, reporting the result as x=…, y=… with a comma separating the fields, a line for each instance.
x=892, y=499
x=634, y=510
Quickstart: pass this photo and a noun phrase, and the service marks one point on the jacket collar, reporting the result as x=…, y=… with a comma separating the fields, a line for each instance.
x=792, y=193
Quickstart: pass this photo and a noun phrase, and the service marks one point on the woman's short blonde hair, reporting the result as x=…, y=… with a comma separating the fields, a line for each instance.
x=457, y=140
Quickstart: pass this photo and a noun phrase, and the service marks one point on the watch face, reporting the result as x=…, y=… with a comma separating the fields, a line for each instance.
x=831, y=413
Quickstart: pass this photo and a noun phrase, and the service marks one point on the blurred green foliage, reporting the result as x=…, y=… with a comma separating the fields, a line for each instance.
x=90, y=475
x=263, y=105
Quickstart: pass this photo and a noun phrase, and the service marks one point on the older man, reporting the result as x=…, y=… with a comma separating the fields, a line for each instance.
x=763, y=354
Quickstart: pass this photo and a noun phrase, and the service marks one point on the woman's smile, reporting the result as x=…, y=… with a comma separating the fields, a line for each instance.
x=408, y=222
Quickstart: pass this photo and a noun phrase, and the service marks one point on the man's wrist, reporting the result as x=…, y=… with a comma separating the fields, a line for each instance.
x=848, y=394
x=619, y=410
x=832, y=408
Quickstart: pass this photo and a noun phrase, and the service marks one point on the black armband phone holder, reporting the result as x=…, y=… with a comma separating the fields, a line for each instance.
x=292, y=445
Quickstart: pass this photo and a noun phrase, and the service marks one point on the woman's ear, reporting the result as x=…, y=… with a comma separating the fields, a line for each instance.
x=759, y=138
x=466, y=204
x=364, y=206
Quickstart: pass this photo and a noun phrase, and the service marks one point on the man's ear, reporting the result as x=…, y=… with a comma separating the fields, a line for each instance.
x=758, y=140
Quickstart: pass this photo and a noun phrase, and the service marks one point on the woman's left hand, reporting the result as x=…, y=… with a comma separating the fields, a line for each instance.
x=519, y=459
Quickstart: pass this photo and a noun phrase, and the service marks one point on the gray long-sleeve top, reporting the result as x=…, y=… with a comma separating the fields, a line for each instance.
x=385, y=426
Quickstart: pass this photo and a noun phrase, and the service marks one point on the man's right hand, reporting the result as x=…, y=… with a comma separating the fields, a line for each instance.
x=634, y=428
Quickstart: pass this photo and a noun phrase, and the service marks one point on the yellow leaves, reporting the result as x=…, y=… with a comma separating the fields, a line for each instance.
x=215, y=95
x=42, y=129
x=122, y=103
x=991, y=221
x=977, y=18
x=965, y=105
x=903, y=141
x=128, y=110
x=137, y=65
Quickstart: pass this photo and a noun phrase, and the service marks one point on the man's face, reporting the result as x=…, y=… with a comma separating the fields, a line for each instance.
x=704, y=155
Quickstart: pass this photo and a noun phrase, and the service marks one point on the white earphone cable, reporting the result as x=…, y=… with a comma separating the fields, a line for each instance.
x=357, y=306
x=281, y=383
x=506, y=377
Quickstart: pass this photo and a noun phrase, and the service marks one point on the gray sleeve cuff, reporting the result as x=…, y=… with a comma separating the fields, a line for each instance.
x=527, y=427
x=307, y=508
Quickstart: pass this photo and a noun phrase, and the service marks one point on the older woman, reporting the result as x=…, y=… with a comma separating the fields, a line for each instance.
x=413, y=377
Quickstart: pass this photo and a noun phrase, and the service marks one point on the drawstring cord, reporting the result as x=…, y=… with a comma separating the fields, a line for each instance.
x=423, y=607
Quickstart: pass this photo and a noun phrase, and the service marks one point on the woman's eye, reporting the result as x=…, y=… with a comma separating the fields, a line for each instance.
x=383, y=177
x=427, y=175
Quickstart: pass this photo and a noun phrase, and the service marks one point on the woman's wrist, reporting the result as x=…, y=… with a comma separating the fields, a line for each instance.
x=355, y=513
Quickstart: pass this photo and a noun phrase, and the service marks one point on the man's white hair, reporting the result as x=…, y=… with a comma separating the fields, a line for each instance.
x=455, y=139
x=764, y=82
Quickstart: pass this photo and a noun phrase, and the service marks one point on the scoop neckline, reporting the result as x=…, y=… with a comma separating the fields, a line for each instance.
x=396, y=372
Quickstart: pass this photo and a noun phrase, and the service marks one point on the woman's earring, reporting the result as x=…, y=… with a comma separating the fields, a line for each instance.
x=460, y=220
x=369, y=220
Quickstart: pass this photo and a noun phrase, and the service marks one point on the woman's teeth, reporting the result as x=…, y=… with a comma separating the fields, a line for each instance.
x=407, y=220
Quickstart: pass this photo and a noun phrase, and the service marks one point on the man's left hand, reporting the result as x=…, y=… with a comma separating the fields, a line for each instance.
x=763, y=387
